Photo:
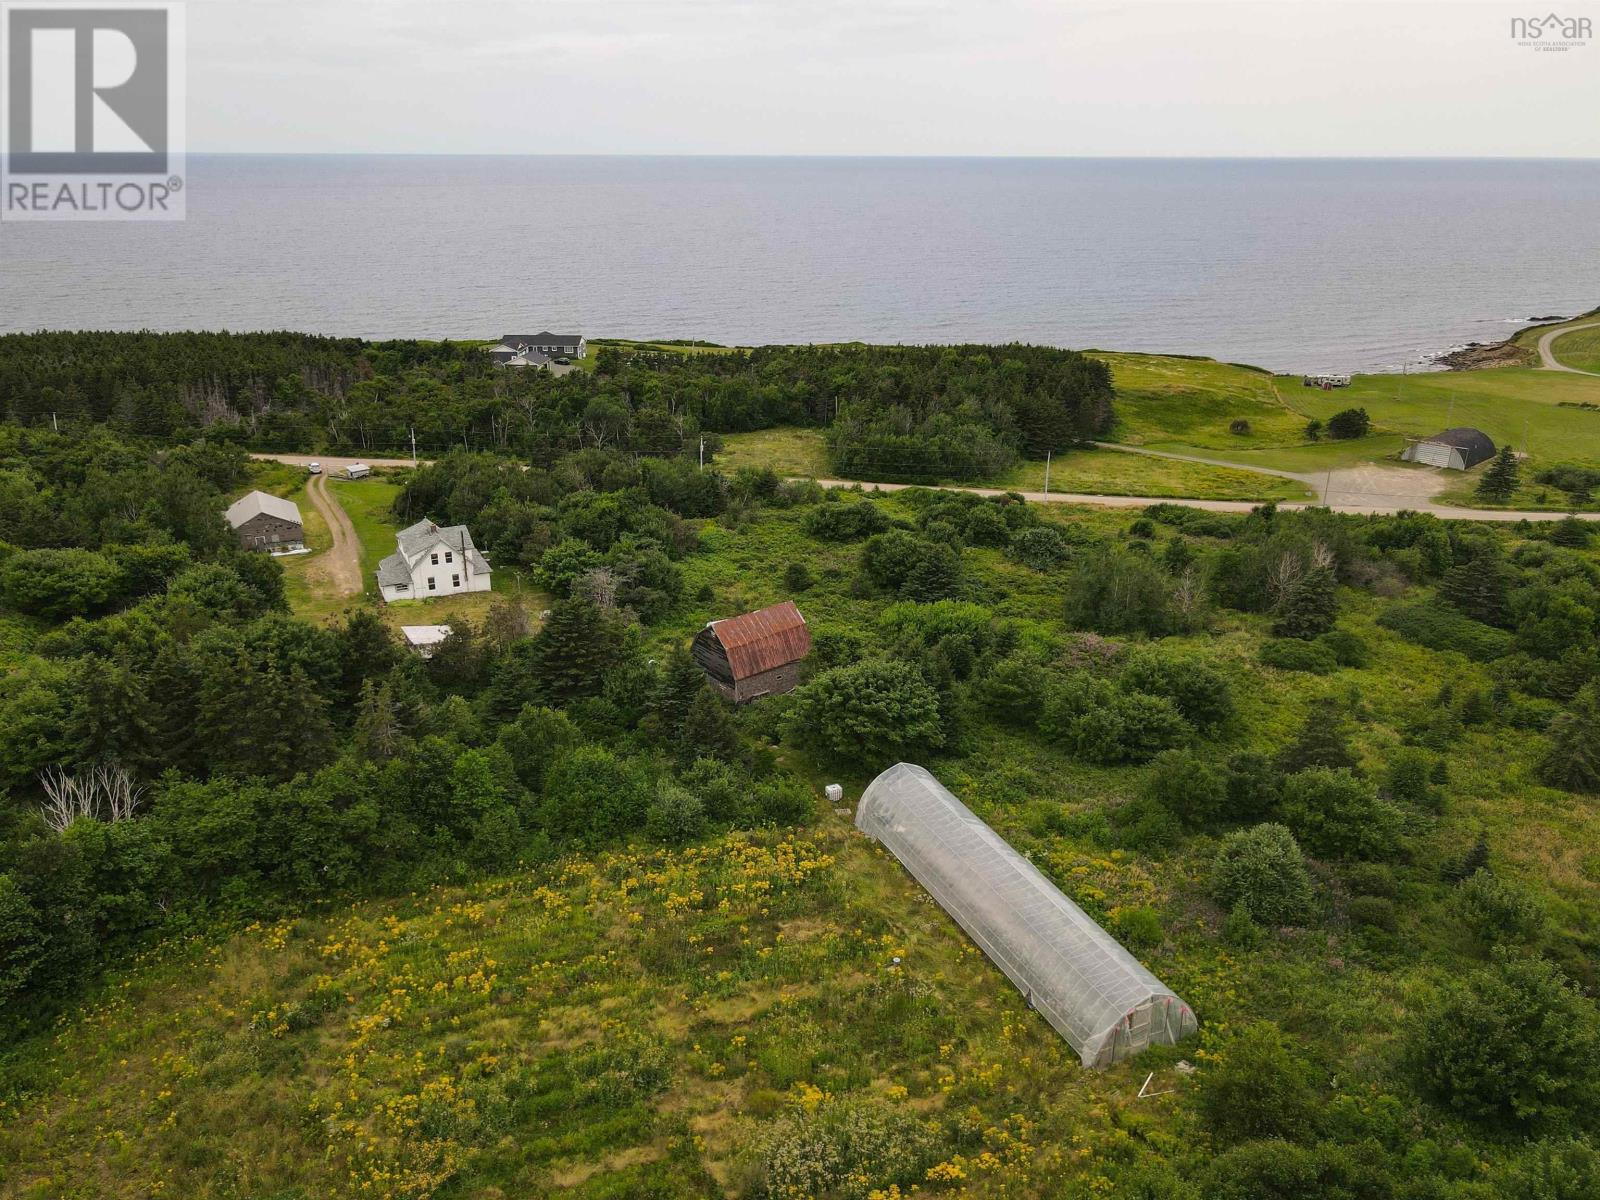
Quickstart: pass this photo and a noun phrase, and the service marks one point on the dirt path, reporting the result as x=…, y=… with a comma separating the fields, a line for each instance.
x=338, y=570
x=1547, y=358
x=1309, y=480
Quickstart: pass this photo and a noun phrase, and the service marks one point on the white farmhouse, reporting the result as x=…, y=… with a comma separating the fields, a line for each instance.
x=432, y=560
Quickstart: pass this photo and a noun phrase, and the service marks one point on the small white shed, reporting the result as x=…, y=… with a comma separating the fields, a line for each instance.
x=424, y=639
x=358, y=470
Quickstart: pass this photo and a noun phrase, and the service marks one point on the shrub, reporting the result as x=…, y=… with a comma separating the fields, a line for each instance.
x=870, y=713
x=1291, y=654
x=1128, y=729
x=1187, y=786
x=1253, y=786
x=1374, y=912
x=797, y=577
x=1117, y=592
x=1255, y=1085
x=1350, y=423
x=1201, y=693
x=1338, y=814
x=1348, y=649
x=1146, y=824
x=1513, y=1044
x=1262, y=870
x=1496, y=912
x=1140, y=926
x=1014, y=690
x=1323, y=741
x=675, y=816
x=1279, y=1170
x=1239, y=426
x=1406, y=776
x=845, y=521
x=985, y=526
x=1441, y=628
x=912, y=567
x=1043, y=548
x=846, y=1148
x=1240, y=929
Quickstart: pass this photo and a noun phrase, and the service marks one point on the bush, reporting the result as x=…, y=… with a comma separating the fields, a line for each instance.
x=985, y=526
x=1348, y=649
x=1350, y=423
x=1140, y=926
x=1253, y=786
x=1117, y=592
x=797, y=577
x=1255, y=1085
x=1374, y=912
x=1291, y=654
x=1262, y=870
x=1240, y=929
x=1406, y=775
x=1438, y=627
x=1043, y=548
x=1337, y=814
x=1495, y=912
x=1201, y=693
x=1239, y=426
x=1573, y=761
x=1128, y=729
x=1014, y=690
x=1188, y=787
x=845, y=521
x=912, y=567
x=676, y=816
x=871, y=713
x=845, y=1148
x=1514, y=1045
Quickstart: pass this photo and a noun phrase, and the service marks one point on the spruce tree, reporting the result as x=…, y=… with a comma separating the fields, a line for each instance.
x=577, y=646
x=109, y=719
x=1573, y=760
x=377, y=732
x=1310, y=606
x=1502, y=478
x=1323, y=741
x=1478, y=588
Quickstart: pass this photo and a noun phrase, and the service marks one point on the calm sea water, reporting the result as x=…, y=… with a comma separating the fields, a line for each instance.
x=1295, y=265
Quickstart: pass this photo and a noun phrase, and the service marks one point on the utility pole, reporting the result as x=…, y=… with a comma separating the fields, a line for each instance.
x=54, y=428
x=413, y=446
x=702, y=454
x=1047, y=472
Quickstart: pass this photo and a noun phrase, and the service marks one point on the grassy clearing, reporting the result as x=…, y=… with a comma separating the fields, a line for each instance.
x=787, y=450
x=1164, y=399
x=1113, y=473
x=1580, y=349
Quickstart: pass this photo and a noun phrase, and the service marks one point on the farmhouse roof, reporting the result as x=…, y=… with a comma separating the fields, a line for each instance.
x=762, y=640
x=253, y=504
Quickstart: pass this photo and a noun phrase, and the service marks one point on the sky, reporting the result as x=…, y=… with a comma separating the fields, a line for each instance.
x=896, y=77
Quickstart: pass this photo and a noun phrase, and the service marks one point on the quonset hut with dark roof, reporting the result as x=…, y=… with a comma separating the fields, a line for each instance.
x=1458, y=449
x=754, y=655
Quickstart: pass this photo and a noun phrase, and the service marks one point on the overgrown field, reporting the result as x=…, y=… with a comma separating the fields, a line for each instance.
x=781, y=1012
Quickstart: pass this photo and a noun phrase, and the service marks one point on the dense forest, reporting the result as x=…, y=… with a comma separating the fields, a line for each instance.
x=956, y=412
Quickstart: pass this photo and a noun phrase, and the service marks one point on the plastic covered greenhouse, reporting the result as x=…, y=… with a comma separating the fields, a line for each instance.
x=1096, y=995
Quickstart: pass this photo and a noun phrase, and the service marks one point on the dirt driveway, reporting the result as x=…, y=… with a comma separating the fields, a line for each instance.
x=336, y=571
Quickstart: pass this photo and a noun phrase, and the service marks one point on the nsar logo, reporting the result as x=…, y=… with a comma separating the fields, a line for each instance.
x=1552, y=32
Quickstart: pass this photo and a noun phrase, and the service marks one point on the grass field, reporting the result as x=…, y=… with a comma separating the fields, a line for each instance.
x=803, y=453
x=1579, y=349
x=1113, y=473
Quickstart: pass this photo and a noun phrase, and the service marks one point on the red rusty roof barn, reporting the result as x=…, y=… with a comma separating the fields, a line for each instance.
x=756, y=654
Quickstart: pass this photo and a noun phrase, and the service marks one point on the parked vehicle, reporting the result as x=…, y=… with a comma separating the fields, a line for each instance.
x=315, y=468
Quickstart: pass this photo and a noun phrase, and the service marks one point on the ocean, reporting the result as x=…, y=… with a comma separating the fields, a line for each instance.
x=1296, y=265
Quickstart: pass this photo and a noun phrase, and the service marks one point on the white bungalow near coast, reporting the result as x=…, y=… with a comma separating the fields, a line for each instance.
x=432, y=560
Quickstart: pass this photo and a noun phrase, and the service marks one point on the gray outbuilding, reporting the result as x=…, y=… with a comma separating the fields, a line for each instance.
x=265, y=522
x=1458, y=449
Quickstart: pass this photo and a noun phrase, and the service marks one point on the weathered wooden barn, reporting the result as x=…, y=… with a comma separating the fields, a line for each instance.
x=756, y=654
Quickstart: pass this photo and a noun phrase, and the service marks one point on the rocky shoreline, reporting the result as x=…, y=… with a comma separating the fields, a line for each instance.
x=1475, y=356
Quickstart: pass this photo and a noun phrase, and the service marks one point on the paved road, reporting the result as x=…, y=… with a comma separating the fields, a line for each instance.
x=340, y=566
x=1547, y=358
